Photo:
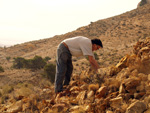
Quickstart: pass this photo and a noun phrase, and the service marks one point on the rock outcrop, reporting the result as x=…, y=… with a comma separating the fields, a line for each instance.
x=143, y=2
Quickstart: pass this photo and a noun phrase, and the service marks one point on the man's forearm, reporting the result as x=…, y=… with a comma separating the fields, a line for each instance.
x=93, y=62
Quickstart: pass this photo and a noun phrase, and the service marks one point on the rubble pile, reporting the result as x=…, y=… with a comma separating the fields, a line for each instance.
x=124, y=88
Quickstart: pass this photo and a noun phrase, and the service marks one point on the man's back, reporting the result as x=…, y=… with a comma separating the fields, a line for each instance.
x=79, y=46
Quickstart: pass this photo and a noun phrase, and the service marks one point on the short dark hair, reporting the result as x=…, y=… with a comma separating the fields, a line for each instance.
x=97, y=42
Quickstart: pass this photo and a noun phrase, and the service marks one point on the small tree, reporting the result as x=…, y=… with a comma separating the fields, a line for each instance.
x=36, y=63
x=18, y=62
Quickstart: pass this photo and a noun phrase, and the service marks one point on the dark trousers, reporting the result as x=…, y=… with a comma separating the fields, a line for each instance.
x=64, y=68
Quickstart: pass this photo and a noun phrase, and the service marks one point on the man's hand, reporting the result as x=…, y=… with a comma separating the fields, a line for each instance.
x=93, y=62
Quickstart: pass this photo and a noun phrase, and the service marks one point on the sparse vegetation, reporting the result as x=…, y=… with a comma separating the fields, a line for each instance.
x=7, y=89
x=8, y=58
x=4, y=93
x=4, y=98
x=1, y=69
x=24, y=91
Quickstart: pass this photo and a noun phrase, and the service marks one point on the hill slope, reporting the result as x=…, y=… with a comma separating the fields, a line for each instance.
x=123, y=88
x=118, y=33
x=25, y=89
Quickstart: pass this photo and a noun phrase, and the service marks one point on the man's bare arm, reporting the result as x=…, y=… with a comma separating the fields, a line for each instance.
x=93, y=62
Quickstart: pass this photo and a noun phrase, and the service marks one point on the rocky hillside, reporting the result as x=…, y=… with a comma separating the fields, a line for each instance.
x=118, y=33
x=123, y=88
x=121, y=84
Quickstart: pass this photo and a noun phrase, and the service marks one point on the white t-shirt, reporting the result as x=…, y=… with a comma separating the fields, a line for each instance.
x=79, y=46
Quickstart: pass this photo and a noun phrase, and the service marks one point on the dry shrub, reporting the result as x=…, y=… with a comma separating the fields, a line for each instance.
x=24, y=89
x=7, y=89
x=4, y=94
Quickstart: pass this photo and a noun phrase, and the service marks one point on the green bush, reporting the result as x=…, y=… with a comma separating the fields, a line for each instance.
x=8, y=58
x=1, y=69
x=47, y=58
x=49, y=72
x=36, y=63
x=18, y=62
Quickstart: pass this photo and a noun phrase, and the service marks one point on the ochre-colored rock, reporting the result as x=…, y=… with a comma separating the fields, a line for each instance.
x=136, y=107
x=116, y=102
x=101, y=92
x=16, y=107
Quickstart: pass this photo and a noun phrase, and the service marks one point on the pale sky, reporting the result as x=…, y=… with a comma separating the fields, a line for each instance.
x=28, y=20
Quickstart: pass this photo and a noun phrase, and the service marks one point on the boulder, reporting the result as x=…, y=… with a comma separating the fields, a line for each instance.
x=136, y=107
x=122, y=89
x=16, y=107
x=75, y=88
x=90, y=94
x=116, y=102
x=58, y=107
x=123, y=62
x=76, y=109
x=84, y=87
x=93, y=87
x=101, y=92
x=109, y=111
x=81, y=96
x=131, y=83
